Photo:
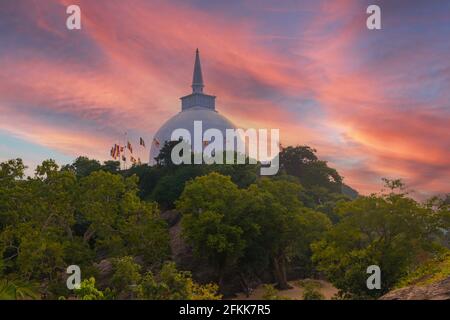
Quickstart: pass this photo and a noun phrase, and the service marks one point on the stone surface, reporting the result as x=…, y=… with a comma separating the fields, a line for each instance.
x=439, y=290
x=171, y=217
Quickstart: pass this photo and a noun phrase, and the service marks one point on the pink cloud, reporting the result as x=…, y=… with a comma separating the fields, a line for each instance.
x=366, y=124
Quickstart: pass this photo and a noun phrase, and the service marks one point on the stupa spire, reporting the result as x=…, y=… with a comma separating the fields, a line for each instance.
x=197, y=79
x=197, y=98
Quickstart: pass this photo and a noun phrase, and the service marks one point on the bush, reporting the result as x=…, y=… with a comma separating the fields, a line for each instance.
x=172, y=284
x=432, y=271
x=270, y=293
x=312, y=294
x=88, y=291
x=311, y=290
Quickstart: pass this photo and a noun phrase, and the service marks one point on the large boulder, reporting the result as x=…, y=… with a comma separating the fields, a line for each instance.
x=171, y=217
x=439, y=290
x=184, y=257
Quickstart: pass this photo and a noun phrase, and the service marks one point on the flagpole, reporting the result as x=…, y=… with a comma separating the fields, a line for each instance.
x=125, y=146
x=120, y=159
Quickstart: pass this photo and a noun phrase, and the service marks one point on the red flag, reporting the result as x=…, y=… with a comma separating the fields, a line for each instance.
x=114, y=151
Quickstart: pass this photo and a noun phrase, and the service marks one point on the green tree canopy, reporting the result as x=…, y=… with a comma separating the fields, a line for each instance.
x=389, y=230
x=209, y=205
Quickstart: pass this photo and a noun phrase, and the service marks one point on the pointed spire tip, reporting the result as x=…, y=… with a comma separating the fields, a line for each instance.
x=197, y=80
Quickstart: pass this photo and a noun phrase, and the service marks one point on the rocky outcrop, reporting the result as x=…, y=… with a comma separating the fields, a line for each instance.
x=184, y=257
x=439, y=290
x=105, y=271
x=171, y=217
x=181, y=251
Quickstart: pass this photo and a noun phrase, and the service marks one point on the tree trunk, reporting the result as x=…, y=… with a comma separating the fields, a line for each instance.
x=220, y=271
x=220, y=280
x=88, y=235
x=69, y=232
x=279, y=266
x=244, y=284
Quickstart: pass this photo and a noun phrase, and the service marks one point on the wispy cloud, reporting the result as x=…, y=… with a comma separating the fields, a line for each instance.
x=374, y=103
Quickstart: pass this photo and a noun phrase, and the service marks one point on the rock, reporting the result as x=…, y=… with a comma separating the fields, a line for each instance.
x=104, y=267
x=105, y=271
x=171, y=217
x=202, y=271
x=183, y=256
x=439, y=290
x=181, y=252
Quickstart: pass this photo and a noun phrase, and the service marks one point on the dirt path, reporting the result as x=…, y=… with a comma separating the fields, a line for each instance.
x=296, y=293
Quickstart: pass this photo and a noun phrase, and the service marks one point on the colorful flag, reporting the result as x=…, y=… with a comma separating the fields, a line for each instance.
x=115, y=151
x=142, y=142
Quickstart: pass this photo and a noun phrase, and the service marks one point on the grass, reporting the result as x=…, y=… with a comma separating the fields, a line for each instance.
x=309, y=283
x=432, y=271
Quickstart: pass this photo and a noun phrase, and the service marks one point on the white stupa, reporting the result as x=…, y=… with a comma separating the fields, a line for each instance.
x=196, y=106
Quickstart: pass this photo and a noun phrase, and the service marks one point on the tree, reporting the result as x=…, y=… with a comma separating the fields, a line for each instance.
x=12, y=192
x=117, y=220
x=388, y=230
x=164, y=158
x=126, y=277
x=263, y=225
x=12, y=170
x=144, y=232
x=169, y=188
x=99, y=203
x=83, y=166
x=88, y=291
x=148, y=178
x=57, y=218
x=111, y=166
x=18, y=290
x=39, y=215
x=285, y=227
x=210, y=208
x=55, y=192
x=302, y=162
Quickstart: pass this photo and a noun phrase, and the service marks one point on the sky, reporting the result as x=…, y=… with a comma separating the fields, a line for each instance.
x=373, y=103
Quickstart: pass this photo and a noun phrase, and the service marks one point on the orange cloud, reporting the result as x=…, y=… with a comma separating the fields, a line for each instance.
x=333, y=88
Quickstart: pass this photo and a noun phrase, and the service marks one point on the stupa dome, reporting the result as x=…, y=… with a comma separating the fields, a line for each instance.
x=196, y=106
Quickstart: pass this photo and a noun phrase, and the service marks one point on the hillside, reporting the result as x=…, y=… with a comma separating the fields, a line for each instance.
x=429, y=282
x=209, y=231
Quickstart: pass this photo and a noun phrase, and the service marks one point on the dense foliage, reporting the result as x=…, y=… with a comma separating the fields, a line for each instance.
x=296, y=224
x=389, y=230
x=59, y=218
